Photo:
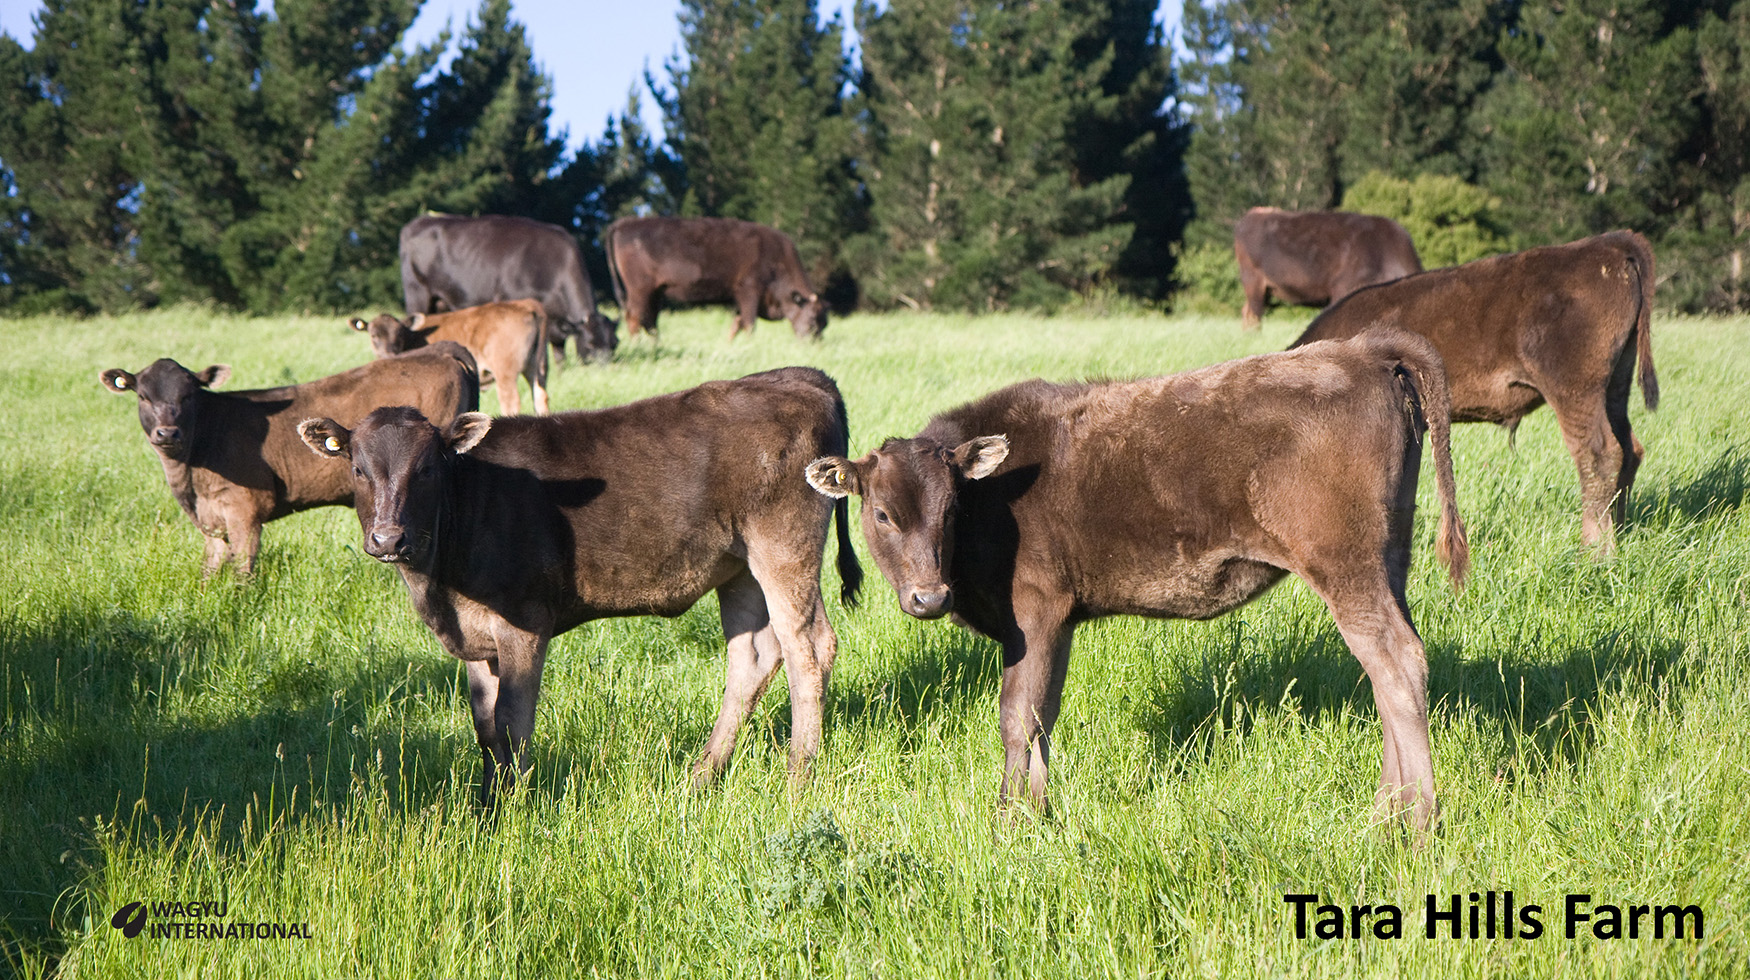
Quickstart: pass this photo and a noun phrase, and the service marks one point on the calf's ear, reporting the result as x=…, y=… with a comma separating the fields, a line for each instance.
x=215, y=374
x=468, y=429
x=979, y=458
x=325, y=437
x=834, y=476
x=116, y=380
x=417, y=323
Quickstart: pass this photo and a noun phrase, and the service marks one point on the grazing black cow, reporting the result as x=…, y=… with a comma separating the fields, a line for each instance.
x=234, y=460
x=710, y=260
x=1311, y=258
x=1042, y=506
x=509, y=532
x=1560, y=324
x=449, y=262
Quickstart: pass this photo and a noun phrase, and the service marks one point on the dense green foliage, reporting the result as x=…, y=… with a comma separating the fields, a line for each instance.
x=1450, y=221
x=1576, y=117
x=300, y=746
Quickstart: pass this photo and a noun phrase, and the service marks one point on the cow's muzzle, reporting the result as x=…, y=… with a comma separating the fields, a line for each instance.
x=928, y=603
x=388, y=543
x=167, y=439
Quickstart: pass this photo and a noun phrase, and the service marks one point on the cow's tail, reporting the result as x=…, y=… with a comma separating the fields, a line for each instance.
x=1428, y=373
x=614, y=280
x=850, y=570
x=1640, y=258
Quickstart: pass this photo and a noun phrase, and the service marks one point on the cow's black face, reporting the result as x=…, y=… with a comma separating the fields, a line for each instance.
x=389, y=336
x=909, y=489
x=806, y=313
x=169, y=401
x=597, y=338
x=400, y=474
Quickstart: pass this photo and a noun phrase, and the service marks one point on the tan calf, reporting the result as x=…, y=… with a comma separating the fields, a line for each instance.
x=507, y=339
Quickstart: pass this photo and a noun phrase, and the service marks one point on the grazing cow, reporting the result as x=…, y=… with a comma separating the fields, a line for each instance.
x=450, y=262
x=710, y=260
x=509, y=532
x=233, y=459
x=1311, y=258
x=506, y=339
x=1560, y=324
x=1042, y=506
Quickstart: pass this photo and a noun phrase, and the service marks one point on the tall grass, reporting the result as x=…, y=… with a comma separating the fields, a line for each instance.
x=298, y=745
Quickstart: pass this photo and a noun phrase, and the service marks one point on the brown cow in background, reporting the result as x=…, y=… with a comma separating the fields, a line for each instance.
x=234, y=459
x=1042, y=506
x=506, y=339
x=710, y=260
x=1310, y=258
x=1561, y=324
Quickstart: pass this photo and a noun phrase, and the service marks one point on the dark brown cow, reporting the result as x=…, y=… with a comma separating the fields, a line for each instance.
x=234, y=460
x=1561, y=325
x=510, y=532
x=506, y=339
x=1310, y=258
x=710, y=260
x=1042, y=506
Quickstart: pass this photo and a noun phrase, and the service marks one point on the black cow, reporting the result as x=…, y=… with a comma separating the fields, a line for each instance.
x=509, y=532
x=449, y=262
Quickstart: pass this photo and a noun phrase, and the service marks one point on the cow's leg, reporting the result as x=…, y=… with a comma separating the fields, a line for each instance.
x=752, y=663
x=747, y=308
x=537, y=374
x=1035, y=661
x=510, y=400
x=642, y=306
x=502, y=692
x=215, y=554
x=494, y=742
x=1616, y=396
x=806, y=642
x=1586, y=428
x=1253, y=284
x=243, y=531
x=1381, y=637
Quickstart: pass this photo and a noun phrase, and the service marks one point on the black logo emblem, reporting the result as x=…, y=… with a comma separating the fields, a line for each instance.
x=130, y=919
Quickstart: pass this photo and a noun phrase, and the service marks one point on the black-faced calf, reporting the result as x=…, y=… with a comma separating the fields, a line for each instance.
x=1042, y=506
x=509, y=532
x=233, y=459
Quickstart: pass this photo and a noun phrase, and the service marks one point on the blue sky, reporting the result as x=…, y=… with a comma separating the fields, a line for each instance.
x=594, y=50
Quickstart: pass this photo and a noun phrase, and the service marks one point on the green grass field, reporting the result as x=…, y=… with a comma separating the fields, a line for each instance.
x=298, y=746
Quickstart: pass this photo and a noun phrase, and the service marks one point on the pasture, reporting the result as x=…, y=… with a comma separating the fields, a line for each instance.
x=298, y=746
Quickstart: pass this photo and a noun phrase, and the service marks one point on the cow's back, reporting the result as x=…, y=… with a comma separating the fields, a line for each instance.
x=1167, y=496
x=1496, y=319
x=440, y=380
x=640, y=508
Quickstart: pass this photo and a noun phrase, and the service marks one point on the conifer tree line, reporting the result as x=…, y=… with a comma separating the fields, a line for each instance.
x=972, y=155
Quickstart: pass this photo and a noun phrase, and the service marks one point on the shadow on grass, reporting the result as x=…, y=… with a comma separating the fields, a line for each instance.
x=145, y=725
x=1540, y=706
x=947, y=670
x=1721, y=486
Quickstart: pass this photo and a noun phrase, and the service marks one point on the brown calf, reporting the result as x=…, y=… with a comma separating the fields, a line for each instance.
x=506, y=339
x=710, y=260
x=234, y=460
x=1042, y=506
x=1311, y=258
x=509, y=532
x=1561, y=324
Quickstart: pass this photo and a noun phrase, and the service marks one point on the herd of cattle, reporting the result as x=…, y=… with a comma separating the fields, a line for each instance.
x=1024, y=513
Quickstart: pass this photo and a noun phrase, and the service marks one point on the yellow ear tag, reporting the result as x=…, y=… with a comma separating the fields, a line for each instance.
x=839, y=477
x=332, y=443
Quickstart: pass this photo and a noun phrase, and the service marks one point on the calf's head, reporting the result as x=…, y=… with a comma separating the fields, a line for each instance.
x=910, y=488
x=802, y=306
x=390, y=336
x=400, y=473
x=596, y=337
x=169, y=400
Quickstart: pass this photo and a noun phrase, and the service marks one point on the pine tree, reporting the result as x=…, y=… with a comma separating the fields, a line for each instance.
x=970, y=170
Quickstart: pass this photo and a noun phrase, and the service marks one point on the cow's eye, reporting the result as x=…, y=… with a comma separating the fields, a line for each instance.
x=881, y=516
x=357, y=473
